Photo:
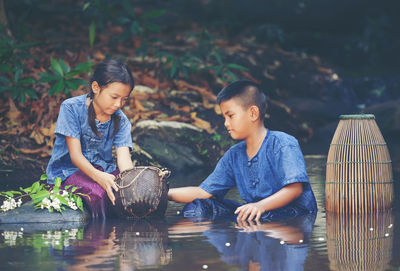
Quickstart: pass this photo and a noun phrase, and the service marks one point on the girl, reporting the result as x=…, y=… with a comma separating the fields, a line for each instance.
x=88, y=126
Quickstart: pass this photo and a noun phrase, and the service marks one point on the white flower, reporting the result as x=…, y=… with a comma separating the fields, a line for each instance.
x=10, y=204
x=64, y=193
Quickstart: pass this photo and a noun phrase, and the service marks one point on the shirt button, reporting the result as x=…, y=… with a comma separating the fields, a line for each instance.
x=249, y=163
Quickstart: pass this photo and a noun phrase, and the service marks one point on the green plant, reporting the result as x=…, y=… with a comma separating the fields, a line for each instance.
x=51, y=197
x=138, y=25
x=185, y=64
x=63, y=77
x=12, y=80
x=224, y=71
x=19, y=88
x=99, y=12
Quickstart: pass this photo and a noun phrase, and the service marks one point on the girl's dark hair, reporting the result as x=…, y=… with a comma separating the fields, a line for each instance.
x=247, y=92
x=107, y=72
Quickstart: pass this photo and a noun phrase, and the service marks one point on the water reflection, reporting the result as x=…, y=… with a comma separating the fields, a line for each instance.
x=359, y=241
x=257, y=246
x=124, y=245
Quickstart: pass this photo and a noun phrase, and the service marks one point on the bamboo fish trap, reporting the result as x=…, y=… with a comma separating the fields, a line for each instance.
x=358, y=242
x=358, y=170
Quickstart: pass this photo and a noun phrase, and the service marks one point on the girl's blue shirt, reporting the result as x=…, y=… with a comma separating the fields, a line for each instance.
x=278, y=162
x=73, y=122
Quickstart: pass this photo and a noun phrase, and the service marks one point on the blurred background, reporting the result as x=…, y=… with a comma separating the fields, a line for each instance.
x=315, y=60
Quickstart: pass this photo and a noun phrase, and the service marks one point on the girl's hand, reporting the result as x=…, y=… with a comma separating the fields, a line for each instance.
x=106, y=181
x=249, y=212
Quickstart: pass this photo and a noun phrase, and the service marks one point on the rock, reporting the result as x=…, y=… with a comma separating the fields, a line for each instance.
x=387, y=116
x=165, y=142
x=145, y=89
x=27, y=214
x=316, y=112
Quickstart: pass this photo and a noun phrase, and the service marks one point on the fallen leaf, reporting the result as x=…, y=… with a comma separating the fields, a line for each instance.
x=13, y=114
x=250, y=77
x=203, y=91
x=37, y=136
x=99, y=55
x=200, y=123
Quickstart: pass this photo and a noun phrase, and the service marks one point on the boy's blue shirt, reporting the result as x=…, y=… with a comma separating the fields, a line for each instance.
x=73, y=122
x=278, y=162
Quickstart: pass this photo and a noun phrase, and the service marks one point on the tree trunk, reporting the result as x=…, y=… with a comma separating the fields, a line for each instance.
x=3, y=20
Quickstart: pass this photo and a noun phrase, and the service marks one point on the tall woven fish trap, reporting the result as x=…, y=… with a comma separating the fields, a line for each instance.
x=359, y=242
x=359, y=170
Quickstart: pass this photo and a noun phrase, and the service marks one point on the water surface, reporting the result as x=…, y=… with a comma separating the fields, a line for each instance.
x=323, y=242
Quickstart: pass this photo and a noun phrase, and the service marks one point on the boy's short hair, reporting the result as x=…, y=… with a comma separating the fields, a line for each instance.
x=247, y=92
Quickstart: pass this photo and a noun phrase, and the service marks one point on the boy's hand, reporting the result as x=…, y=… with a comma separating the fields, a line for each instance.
x=106, y=181
x=249, y=212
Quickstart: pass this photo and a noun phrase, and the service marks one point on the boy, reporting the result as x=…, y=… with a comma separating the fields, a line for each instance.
x=266, y=166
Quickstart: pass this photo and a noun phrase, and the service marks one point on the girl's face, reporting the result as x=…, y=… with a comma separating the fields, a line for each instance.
x=238, y=120
x=110, y=98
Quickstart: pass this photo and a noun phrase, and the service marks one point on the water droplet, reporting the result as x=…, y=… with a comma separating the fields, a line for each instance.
x=228, y=244
x=205, y=266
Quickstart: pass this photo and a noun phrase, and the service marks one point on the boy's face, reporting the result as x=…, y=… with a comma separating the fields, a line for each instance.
x=238, y=120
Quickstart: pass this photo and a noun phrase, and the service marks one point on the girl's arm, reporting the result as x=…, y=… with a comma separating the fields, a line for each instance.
x=104, y=179
x=187, y=194
x=124, y=160
x=281, y=198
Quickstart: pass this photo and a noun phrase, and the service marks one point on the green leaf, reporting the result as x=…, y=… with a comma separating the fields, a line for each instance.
x=74, y=189
x=57, y=87
x=31, y=93
x=57, y=182
x=56, y=67
x=62, y=199
x=153, y=14
x=18, y=74
x=35, y=187
x=83, y=67
x=218, y=57
x=72, y=84
x=47, y=77
x=173, y=69
x=237, y=67
x=9, y=193
x=85, y=6
x=79, y=203
x=43, y=177
x=64, y=66
x=22, y=98
x=40, y=195
x=27, y=81
x=92, y=33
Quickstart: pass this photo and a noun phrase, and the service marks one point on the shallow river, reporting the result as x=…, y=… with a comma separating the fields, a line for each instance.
x=324, y=242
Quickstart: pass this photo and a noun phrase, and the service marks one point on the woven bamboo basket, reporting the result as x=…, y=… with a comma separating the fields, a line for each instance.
x=358, y=242
x=358, y=170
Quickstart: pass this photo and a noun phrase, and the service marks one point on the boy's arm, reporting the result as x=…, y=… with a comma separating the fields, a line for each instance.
x=281, y=198
x=187, y=194
x=124, y=160
x=104, y=179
